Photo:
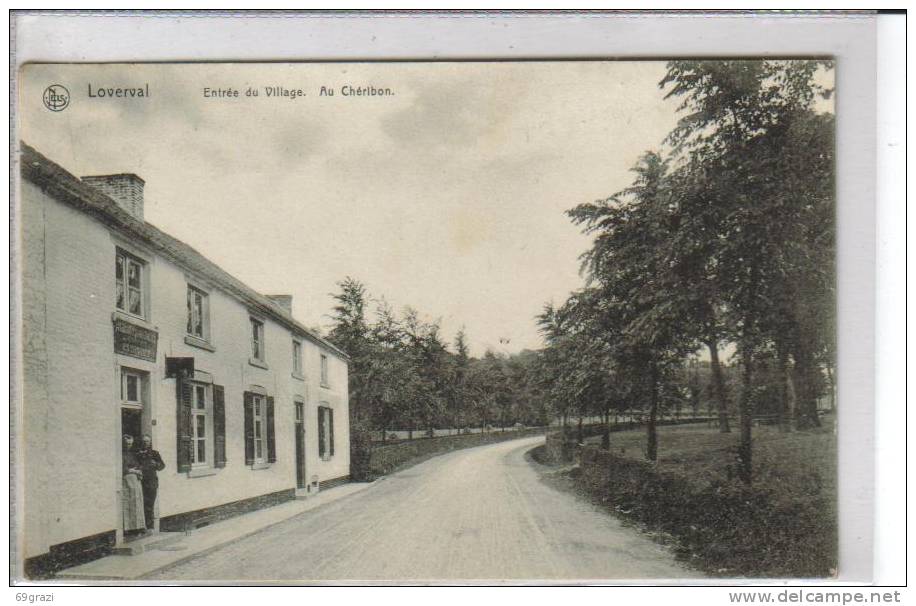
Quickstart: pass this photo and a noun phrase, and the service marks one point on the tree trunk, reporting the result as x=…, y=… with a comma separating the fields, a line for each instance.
x=785, y=414
x=832, y=380
x=746, y=407
x=793, y=399
x=606, y=433
x=651, y=434
x=805, y=382
x=718, y=386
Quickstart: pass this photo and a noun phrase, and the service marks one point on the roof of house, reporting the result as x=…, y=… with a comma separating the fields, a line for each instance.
x=63, y=186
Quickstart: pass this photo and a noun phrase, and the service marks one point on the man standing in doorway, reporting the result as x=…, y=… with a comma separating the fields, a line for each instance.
x=150, y=463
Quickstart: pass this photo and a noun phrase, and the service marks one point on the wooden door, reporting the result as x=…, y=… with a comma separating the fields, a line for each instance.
x=300, y=445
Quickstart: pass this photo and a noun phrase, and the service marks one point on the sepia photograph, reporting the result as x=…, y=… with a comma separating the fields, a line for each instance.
x=427, y=322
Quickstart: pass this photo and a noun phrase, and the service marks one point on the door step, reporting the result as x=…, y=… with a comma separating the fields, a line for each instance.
x=156, y=540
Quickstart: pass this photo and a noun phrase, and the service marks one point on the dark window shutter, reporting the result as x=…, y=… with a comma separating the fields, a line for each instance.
x=249, y=429
x=271, y=434
x=330, y=414
x=184, y=425
x=219, y=426
x=321, y=445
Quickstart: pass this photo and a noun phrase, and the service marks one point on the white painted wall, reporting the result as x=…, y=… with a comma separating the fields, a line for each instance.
x=71, y=411
x=70, y=462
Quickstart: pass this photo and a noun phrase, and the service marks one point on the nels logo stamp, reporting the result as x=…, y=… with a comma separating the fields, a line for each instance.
x=56, y=97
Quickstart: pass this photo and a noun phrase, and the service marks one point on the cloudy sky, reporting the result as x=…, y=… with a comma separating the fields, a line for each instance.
x=447, y=195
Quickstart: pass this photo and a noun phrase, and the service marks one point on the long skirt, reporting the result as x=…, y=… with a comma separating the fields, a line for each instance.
x=132, y=503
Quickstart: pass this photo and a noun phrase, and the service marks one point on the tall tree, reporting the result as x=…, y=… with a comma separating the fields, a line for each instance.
x=629, y=261
x=351, y=333
x=459, y=396
x=735, y=133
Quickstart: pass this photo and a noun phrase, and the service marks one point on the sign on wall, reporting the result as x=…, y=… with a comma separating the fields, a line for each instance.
x=135, y=341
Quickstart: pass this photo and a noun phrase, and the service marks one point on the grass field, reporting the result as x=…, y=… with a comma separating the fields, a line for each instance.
x=784, y=525
x=795, y=462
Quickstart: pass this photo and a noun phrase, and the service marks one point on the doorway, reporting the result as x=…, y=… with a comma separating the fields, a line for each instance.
x=135, y=421
x=300, y=444
x=132, y=423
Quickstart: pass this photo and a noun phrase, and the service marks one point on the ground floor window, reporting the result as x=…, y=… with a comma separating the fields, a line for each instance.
x=201, y=425
x=260, y=441
x=325, y=432
x=258, y=417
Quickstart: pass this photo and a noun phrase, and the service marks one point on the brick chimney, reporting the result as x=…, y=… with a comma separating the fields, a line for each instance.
x=126, y=189
x=284, y=301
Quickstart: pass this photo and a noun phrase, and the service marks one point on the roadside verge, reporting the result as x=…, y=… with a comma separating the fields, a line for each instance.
x=782, y=526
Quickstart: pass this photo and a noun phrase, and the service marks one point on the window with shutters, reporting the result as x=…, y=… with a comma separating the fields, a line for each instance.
x=198, y=325
x=201, y=427
x=325, y=432
x=130, y=284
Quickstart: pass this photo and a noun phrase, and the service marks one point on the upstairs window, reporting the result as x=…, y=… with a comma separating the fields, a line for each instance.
x=324, y=370
x=129, y=284
x=297, y=358
x=257, y=339
x=198, y=313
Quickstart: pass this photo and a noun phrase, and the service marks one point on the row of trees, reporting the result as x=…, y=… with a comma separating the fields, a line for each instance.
x=404, y=375
x=725, y=238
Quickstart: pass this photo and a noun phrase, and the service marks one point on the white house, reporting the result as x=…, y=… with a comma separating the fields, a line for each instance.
x=115, y=314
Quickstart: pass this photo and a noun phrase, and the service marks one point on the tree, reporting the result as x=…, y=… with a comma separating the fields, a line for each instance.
x=459, y=394
x=743, y=135
x=351, y=333
x=403, y=375
x=728, y=238
x=629, y=262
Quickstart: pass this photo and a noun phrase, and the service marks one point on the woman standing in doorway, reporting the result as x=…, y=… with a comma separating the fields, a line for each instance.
x=132, y=491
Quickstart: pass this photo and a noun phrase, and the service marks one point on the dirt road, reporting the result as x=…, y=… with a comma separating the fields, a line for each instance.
x=481, y=513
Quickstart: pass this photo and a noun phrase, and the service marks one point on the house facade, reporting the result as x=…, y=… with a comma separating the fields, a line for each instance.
x=126, y=330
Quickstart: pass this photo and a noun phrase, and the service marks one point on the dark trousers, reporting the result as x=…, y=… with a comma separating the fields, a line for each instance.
x=150, y=488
